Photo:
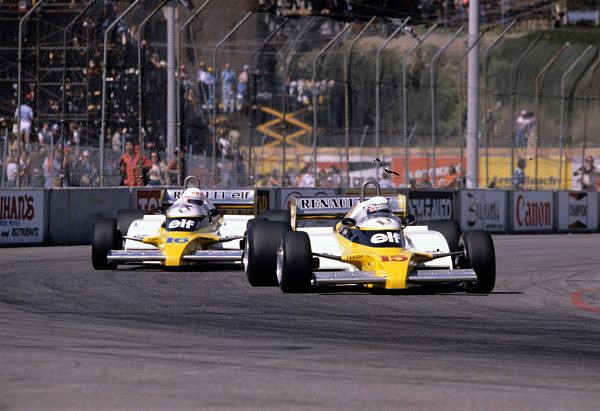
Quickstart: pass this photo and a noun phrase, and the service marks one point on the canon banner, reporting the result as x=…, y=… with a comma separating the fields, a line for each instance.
x=21, y=216
x=532, y=211
x=431, y=205
x=577, y=211
x=483, y=210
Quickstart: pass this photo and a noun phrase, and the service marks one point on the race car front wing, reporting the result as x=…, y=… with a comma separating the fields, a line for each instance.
x=415, y=277
x=140, y=256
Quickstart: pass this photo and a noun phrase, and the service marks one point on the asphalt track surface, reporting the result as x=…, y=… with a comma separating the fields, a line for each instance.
x=72, y=338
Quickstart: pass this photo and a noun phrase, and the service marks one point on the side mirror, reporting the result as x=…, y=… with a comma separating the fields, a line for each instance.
x=347, y=221
x=409, y=220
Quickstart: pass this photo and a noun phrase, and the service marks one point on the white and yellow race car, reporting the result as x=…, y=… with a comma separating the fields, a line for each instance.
x=374, y=244
x=190, y=231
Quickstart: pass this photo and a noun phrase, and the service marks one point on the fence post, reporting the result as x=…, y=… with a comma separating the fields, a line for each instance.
x=408, y=53
x=64, y=83
x=460, y=111
x=104, y=64
x=485, y=92
x=563, y=82
x=433, y=79
x=316, y=98
x=514, y=74
x=139, y=88
x=287, y=58
x=215, y=103
x=378, y=58
x=347, y=58
x=539, y=83
x=19, y=86
x=178, y=88
x=252, y=92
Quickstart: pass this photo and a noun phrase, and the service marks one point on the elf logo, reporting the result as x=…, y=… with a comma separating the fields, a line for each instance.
x=183, y=223
x=387, y=237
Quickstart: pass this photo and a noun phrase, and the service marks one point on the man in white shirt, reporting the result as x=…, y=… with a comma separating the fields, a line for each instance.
x=24, y=116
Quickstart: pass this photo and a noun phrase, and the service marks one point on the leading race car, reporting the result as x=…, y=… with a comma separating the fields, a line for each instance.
x=375, y=244
x=190, y=231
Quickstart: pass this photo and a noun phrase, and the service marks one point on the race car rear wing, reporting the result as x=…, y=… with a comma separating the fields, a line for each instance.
x=335, y=207
x=225, y=199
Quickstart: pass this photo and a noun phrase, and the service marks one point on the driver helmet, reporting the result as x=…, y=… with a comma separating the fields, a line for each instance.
x=377, y=204
x=193, y=196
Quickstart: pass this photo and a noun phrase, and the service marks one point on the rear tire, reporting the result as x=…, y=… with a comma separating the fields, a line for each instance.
x=450, y=229
x=294, y=262
x=481, y=256
x=126, y=217
x=106, y=237
x=260, y=251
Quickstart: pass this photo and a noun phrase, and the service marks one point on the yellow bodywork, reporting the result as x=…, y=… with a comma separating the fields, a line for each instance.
x=176, y=244
x=394, y=263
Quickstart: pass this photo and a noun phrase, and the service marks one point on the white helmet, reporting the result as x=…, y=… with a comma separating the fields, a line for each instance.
x=377, y=204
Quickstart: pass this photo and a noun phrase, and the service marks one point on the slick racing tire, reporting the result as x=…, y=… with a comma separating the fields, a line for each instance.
x=294, y=262
x=480, y=255
x=106, y=237
x=276, y=215
x=126, y=217
x=260, y=251
x=450, y=229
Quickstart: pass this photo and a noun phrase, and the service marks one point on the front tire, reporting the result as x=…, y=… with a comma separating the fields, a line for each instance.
x=127, y=216
x=260, y=251
x=481, y=256
x=450, y=229
x=106, y=237
x=294, y=262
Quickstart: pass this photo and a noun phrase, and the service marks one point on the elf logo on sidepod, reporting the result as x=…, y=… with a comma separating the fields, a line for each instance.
x=388, y=237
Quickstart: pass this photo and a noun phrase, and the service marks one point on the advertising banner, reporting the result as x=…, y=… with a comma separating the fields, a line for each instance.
x=147, y=199
x=483, y=210
x=286, y=193
x=532, y=211
x=21, y=216
x=577, y=211
x=428, y=205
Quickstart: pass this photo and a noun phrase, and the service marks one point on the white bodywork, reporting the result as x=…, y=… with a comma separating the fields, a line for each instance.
x=418, y=238
x=231, y=225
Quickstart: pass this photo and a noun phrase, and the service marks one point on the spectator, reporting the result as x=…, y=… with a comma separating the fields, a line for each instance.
x=521, y=130
x=242, y=87
x=203, y=83
x=54, y=133
x=117, y=140
x=75, y=134
x=519, y=175
x=228, y=79
x=25, y=115
x=588, y=175
x=154, y=174
x=133, y=169
x=44, y=135
x=307, y=179
x=51, y=167
x=85, y=171
x=11, y=170
x=450, y=180
x=207, y=80
x=177, y=167
x=425, y=181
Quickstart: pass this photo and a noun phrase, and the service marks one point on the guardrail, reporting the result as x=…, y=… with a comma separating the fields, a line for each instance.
x=66, y=216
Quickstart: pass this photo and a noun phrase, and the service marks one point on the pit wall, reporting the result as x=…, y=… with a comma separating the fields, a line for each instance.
x=67, y=216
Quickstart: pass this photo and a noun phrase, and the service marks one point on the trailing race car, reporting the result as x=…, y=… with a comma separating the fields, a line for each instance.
x=375, y=244
x=190, y=231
